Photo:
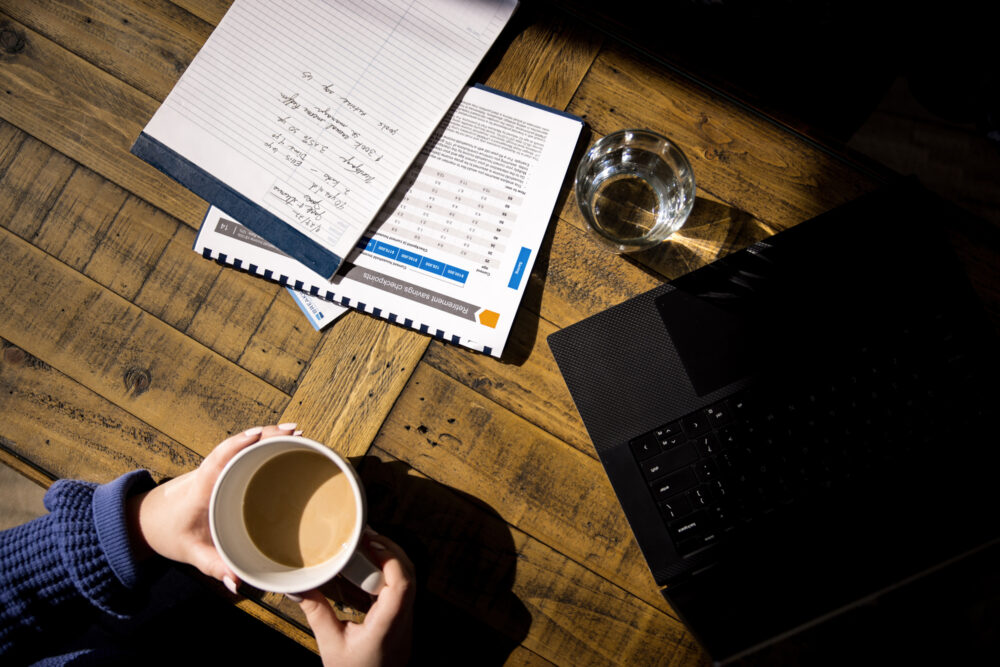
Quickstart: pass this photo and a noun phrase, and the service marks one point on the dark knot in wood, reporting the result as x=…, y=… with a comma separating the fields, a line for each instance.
x=137, y=381
x=11, y=40
x=13, y=355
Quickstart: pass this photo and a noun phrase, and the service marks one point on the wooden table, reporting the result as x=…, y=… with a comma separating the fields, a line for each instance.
x=122, y=348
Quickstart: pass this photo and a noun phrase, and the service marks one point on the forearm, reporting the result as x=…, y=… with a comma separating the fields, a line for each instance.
x=75, y=560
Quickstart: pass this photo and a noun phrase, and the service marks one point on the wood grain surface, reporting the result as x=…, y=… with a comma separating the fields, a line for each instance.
x=122, y=348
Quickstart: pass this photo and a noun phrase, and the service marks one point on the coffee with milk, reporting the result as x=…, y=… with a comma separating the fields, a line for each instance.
x=299, y=509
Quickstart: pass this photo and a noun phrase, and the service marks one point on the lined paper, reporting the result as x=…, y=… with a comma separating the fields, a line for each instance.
x=314, y=110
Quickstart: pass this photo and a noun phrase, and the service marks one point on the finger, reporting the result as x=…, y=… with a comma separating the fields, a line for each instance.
x=280, y=429
x=231, y=446
x=397, y=569
x=394, y=604
x=382, y=549
x=328, y=629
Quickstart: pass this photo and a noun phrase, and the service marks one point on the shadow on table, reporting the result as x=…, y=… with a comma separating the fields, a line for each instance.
x=465, y=561
x=713, y=230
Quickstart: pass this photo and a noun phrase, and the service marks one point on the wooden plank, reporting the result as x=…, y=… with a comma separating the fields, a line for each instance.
x=533, y=388
x=266, y=615
x=547, y=58
x=210, y=11
x=753, y=165
x=34, y=178
x=23, y=466
x=469, y=558
x=360, y=368
x=537, y=483
x=86, y=114
x=144, y=43
x=115, y=349
x=11, y=139
x=179, y=283
x=522, y=657
x=77, y=222
x=121, y=242
x=281, y=347
x=132, y=247
x=231, y=312
x=583, y=277
x=68, y=431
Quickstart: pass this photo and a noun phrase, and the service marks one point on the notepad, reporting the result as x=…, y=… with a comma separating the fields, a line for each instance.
x=451, y=252
x=300, y=117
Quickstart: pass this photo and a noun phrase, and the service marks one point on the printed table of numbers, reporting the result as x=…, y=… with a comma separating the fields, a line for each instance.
x=454, y=219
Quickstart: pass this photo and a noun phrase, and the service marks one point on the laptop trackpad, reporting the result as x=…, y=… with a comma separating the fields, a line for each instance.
x=715, y=345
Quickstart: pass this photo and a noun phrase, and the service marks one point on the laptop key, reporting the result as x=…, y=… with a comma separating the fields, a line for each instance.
x=669, y=461
x=694, y=532
x=668, y=431
x=707, y=470
x=695, y=424
x=645, y=446
x=707, y=444
x=676, y=507
x=671, y=438
x=668, y=486
x=689, y=527
x=719, y=414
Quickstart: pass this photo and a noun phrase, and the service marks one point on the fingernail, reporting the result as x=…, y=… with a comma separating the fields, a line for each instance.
x=288, y=427
x=230, y=584
x=293, y=597
x=256, y=430
x=297, y=433
x=377, y=545
x=370, y=531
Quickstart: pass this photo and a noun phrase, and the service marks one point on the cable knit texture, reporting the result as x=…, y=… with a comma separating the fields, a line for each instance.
x=68, y=567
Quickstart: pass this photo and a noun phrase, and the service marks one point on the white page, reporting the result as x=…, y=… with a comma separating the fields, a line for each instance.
x=313, y=110
x=451, y=252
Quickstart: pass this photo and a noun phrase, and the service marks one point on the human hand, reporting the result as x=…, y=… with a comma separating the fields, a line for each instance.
x=172, y=519
x=385, y=636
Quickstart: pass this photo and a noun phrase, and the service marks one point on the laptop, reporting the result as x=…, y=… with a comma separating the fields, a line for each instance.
x=801, y=426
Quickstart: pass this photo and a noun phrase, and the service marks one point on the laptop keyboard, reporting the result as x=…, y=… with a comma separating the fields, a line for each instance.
x=764, y=450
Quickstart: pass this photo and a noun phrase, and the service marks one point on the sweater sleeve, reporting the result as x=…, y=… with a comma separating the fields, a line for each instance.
x=62, y=570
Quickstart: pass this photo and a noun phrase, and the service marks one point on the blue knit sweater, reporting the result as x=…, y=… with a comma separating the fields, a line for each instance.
x=67, y=569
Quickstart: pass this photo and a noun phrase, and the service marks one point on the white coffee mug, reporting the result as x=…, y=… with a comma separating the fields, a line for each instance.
x=237, y=549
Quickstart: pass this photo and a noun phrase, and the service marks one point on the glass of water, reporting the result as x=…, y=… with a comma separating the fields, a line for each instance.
x=635, y=188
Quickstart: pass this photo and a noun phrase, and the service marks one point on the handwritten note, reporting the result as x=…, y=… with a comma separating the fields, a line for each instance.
x=313, y=110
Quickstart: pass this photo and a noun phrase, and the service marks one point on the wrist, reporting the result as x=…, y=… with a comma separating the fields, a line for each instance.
x=138, y=538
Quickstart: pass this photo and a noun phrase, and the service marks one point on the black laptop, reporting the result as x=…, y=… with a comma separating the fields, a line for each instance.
x=801, y=426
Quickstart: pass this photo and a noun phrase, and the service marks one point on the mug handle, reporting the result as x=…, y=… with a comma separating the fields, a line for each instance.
x=361, y=572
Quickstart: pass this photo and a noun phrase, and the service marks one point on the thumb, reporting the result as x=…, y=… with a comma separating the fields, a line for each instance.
x=328, y=629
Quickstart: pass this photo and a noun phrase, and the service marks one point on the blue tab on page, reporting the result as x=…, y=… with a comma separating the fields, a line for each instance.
x=519, y=267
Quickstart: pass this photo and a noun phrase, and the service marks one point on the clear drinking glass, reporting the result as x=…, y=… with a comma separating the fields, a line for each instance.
x=635, y=188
